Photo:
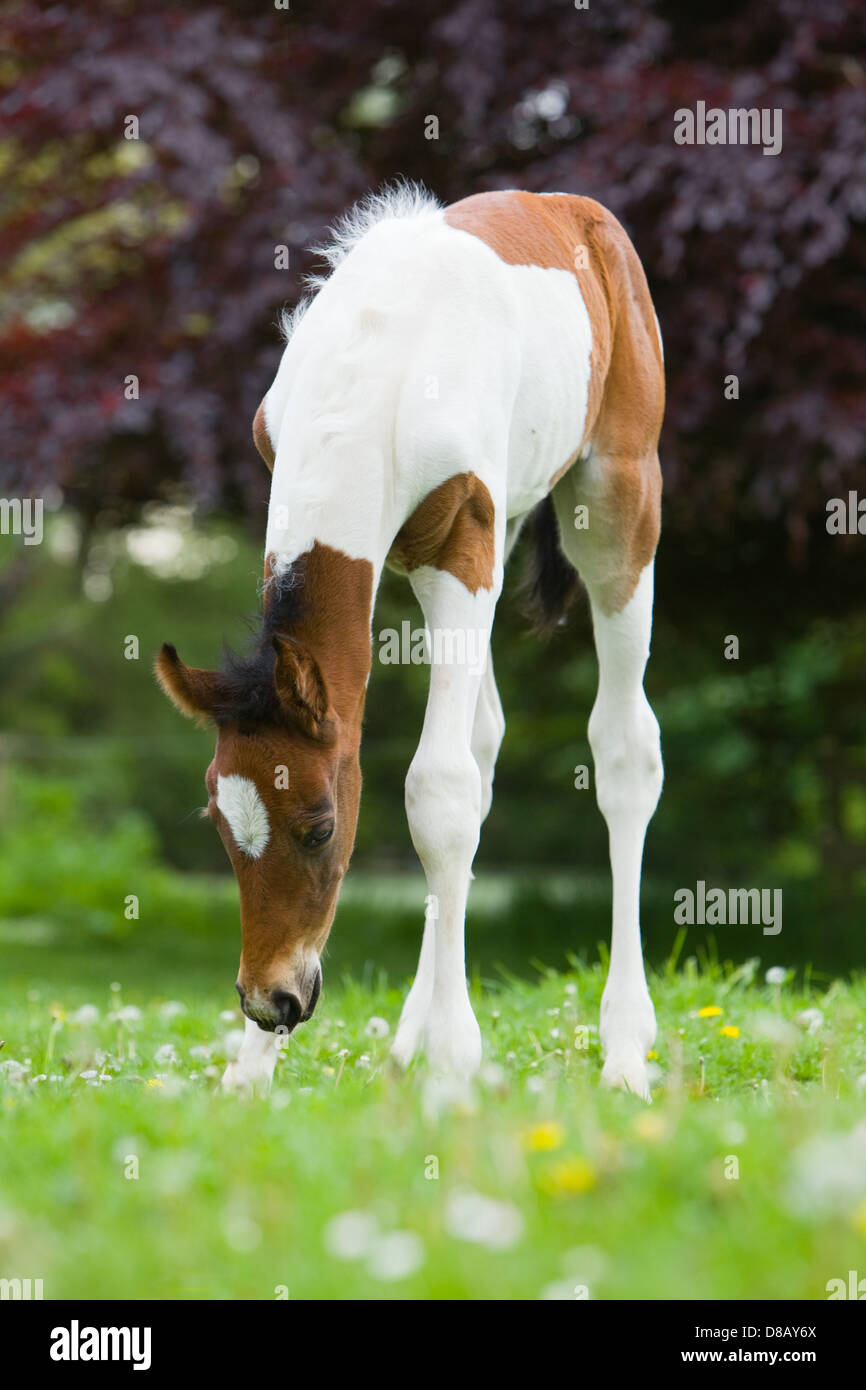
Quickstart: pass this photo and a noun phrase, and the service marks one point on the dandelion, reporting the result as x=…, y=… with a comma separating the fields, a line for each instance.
x=481, y=1220
x=773, y=1028
x=544, y=1137
x=729, y=1031
x=584, y=1264
x=652, y=1055
x=776, y=975
x=88, y=1013
x=709, y=1011
x=810, y=1020
x=377, y=1027
x=128, y=1014
x=559, y=1292
x=350, y=1235
x=88, y=1075
x=493, y=1076
x=734, y=1132
x=171, y=1008
x=240, y=1232
x=571, y=988
x=15, y=1071
x=166, y=1056
x=569, y=1177
x=155, y=1082
x=395, y=1256
x=828, y=1174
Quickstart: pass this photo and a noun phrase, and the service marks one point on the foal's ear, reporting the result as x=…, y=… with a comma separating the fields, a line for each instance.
x=299, y=685
x=195, y=693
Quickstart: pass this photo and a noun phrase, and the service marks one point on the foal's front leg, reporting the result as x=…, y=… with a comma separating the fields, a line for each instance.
x=252, y=1071
x=444, y=801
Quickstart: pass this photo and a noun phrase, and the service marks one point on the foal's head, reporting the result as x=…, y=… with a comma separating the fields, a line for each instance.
x=283, y=792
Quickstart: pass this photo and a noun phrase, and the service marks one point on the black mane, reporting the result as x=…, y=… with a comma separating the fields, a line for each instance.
x=248, y=694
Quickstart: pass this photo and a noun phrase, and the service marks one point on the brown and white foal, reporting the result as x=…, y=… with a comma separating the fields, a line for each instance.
x=457, y=368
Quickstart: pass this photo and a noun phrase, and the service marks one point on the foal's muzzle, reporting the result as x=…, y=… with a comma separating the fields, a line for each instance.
x=281, y=1010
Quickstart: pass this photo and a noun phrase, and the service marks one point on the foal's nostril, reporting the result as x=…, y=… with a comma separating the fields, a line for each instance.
x=288, y=1007
x=242, y=994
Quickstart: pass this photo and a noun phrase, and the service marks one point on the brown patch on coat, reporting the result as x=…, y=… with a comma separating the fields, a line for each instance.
x=453, y=530
x=261, y=438
x=626, y=393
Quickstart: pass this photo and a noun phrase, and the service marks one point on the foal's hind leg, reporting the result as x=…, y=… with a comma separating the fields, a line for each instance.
x=615, y=561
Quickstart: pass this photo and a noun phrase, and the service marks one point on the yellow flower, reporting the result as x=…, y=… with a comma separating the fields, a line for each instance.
x=729, y=1031
x=154, y=1081
x=858, y=1219
x=58, y=1013
x=710, y=1011
x=569, y=1177
x=543, y=1138
x=652, y=1055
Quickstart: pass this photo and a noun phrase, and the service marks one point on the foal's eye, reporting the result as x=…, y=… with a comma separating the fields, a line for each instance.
x=318, y=836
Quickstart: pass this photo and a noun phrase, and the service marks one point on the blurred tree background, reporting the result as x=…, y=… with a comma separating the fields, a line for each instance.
x=154, y=256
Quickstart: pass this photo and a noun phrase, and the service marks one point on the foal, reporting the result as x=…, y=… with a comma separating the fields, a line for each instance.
x=457, y=369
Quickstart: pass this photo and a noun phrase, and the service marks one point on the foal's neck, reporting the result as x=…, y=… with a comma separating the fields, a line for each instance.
x=334, y=612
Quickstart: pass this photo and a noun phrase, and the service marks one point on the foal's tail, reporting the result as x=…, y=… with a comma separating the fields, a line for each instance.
x=550, y=583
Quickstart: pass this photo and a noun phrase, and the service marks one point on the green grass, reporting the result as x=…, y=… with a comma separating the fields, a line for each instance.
x=236, y=1198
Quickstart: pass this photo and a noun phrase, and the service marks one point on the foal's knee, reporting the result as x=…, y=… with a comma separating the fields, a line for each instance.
x=443, y=806
x=628, y=761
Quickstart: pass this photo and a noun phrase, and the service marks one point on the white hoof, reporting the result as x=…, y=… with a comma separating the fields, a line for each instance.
x=452, y=1044
x=628, y=1030
x=243, y=1080
x=626, y=1070
x=407, y=1039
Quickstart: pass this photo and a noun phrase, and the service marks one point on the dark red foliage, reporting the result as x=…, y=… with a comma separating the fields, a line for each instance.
x=757, y=263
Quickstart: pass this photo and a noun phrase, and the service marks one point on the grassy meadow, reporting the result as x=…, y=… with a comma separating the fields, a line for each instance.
x=127, y=1174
